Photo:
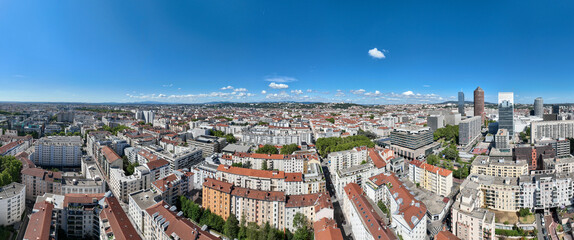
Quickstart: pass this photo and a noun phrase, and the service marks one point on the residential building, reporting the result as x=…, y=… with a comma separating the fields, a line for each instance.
x=468, y=219
x=217, y=197
x=171, y=187
x=42, y=223
x=114, y=222
x=109, y=159
x=208, y=144
x=469, y=130
x=122, y=185
x=326, y=229
x=364, y=216
x=501, y=139
x=58, y=151
x=164, y=223
x=534, y=155
x=435, y=179
x=546, y=191
x=551, y=129
x=138, y=203
x=12, y=199
x=496, y=167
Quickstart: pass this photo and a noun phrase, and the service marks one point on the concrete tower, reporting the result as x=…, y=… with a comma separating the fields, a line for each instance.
x=538, y=107
x=461, y=103
x=479, y=103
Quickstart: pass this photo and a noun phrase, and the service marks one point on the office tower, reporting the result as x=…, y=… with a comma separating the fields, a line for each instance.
x=538, y=107
x=435, y=122
x=461, y=103
x=556, y=109
x=479, y=103
x=506, y=112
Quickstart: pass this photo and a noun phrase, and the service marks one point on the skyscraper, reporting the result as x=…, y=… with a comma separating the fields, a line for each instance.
x=538, y=107
x=461, y=103
x=506, y=112
x=479, y=103
x=555, y=109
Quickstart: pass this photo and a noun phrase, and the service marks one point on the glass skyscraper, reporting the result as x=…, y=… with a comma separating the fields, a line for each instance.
x=506, y=112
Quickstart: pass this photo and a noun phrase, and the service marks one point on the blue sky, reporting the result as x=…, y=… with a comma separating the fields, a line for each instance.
x=191, y=51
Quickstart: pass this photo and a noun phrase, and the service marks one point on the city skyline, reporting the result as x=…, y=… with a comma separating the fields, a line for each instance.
x=199, y=52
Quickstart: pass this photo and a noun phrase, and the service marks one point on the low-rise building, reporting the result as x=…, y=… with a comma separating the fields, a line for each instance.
x=164, y=223
x=435, y=179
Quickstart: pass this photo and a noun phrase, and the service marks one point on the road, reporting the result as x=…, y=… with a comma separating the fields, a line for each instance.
x=539, y=217
x=339, y=216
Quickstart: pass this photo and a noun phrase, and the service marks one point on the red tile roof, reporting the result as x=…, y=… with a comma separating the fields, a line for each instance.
x=179, y=225
x=259, y=195
x=323, y=201
x=431, y=168
x=110, y=155
x=45, y=175
x=82, y=198
x=304, y=200
x=371, y=220
x=9, y=146
x=251, y=172
x=218, y=185
x=377, y=158
x=120, y=225
x=326, y=229
x=40, y=222
x=446, y=235
x=408, y=205
x=152, y=165
x=294, y=177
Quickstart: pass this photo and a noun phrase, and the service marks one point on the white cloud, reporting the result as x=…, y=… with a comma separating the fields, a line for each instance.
x=227, y=88
x=240, y=90
x=309, y=90
x=375, y=53
x=408, y=93
x=358, y=92
x=373, y=94
x=427, y=86
x=339, y=93
x=263, y=92
x=297, y=91
x=280, y=79
x=278, y=85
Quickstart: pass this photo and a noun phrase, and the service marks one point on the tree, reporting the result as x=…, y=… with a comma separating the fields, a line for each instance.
x=333, y=144
x=289, y=149
x=433, y=159
x=331, y=120
x=264, y=166
x=304, y=232
x=231, y=228
x=523, y=212
x=242, y=228
x=369, y=134
x=267, y=148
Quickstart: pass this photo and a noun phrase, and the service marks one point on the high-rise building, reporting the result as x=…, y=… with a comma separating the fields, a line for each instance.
x=58, y=151
x=538, y=107
x=461, y=103
x=469, y=130
x=148, y=116
x=556, y=109
x=479, y=103
x=506, y=112
x=435, y=122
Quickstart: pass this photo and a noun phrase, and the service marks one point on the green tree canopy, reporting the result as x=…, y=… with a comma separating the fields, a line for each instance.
x=289, y=149
x=267, y=148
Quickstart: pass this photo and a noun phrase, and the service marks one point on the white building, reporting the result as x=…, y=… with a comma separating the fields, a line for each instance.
x=435, y=179
x=551, y=129
x=122, y=185
x=469, y=220
x=57, y=151
x=12, y=200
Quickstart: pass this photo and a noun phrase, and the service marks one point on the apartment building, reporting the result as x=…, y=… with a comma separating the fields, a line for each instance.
x=12, y=200
x=500, y=193
x=39, y=181
x=435, y=179
x=345, y=159
x=485, y=165
x=469, y=130
x=122, y=185
x=364, y=216
x=270, y=180
x=259, y=206
x=208, y=144
x=41, y=221
x=109, y=159
x=13, y=148
x=171, y=187
x=469, y=220
x=164, y=223
x=409, y=215
x=286, y=163
x=58, y=151
x=551, y=129
x=114, y=222
x=545, y=191
x=217, y=197
x=138, y=203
